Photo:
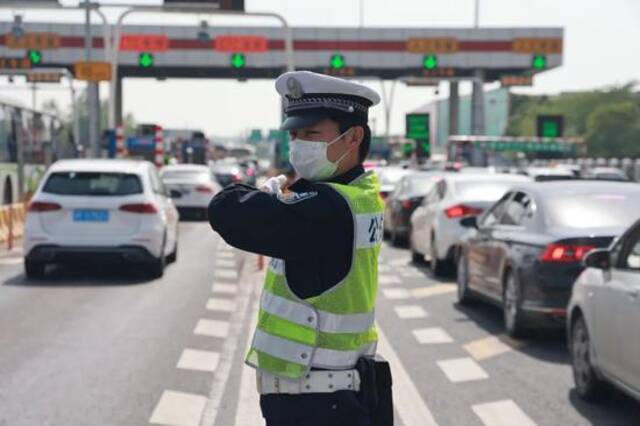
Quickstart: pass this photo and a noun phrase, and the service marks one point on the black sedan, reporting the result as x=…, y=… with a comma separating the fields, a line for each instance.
x=407, y=195
x=525, y=252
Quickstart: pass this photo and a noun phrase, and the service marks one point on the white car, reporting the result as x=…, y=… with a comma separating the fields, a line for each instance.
x=86, y=209
x=603, y=318
x=435, y=224
x=192, y=187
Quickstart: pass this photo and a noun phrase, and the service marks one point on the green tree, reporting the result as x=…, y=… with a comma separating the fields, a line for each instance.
x=614, y=130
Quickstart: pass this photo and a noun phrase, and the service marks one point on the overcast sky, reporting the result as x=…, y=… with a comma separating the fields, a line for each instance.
x=600, y=50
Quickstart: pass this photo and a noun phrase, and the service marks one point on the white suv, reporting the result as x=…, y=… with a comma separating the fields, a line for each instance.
x=104, y=209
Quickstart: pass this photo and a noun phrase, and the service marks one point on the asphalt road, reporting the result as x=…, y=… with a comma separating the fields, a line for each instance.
x=103, y=346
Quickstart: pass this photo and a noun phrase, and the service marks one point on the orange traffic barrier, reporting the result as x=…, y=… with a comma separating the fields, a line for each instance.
x=12, y=218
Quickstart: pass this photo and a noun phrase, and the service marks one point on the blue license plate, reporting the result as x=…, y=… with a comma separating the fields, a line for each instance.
x=90, y=215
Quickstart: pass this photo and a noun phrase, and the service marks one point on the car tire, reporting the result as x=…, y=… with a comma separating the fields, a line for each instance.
x=394, y=238
x=34, y=269
x=156, y=268
x=512, y=307
x=173, y=256
x=465, y=297
x=588, y=385
x=438, y=266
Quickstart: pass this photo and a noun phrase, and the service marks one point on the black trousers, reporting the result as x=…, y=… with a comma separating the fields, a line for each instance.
x=341, y=408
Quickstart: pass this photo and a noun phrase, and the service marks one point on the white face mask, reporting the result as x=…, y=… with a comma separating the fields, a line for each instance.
x=309, y=158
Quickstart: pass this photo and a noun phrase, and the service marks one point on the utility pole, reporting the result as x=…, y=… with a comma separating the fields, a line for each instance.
x=93, y=95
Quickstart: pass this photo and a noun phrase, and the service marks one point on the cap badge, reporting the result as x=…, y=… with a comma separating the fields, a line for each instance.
x=295, y=88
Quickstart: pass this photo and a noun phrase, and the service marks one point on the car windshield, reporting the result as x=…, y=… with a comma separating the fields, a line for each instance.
x=482, y=190
x=92, y=183
x=595, y=210
x=185, y=174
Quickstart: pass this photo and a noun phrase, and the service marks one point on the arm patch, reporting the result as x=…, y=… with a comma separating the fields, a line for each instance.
x=296, y=197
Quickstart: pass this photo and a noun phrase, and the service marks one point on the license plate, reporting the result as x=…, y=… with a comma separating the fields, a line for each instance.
x=82, y=215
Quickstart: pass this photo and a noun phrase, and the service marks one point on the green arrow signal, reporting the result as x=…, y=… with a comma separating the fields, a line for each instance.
x=430, y=62
x=145, y=60
x=34, y=56
x=539, y=62
x=238, y=60
x=337, y=62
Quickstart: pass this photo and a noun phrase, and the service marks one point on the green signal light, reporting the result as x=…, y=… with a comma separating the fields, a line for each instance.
x=145, y=60
x=35, y=56
x=539, y=62
x=238, y=60
x=337, y=62
x=430, y=62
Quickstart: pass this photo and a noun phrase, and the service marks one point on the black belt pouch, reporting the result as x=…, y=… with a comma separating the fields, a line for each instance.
x=375, y=389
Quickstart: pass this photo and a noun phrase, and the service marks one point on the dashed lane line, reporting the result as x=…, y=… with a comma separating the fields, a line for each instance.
x=225, y=263
x=502, y=413
x=433, y=290
x=432, y=336
x=227, y=273
x=225, y=255
x=462, y=370
x=178, y=408
x=212, y=328
x=491, y=346
x=410, y=406
x=193, y=359
x=388, y=279
x=396, y=293
x=224, y=288
x=410, y=311
x=222, y=305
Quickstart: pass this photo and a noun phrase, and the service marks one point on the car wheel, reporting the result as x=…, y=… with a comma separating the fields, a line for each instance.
x=33, y=269
x=464, y=294
x=511, y=305
x=438, y=266
x=156, y=268
x=173, y=256
x=394, y=238
x=588, y=385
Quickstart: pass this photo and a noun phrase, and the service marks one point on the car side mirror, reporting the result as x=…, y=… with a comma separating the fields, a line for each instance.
x=599, y=259
x=469, y=222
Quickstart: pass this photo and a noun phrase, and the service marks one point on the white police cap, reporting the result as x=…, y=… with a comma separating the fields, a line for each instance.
x=311, y=97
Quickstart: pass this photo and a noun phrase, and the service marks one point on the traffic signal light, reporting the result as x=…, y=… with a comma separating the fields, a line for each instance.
x=550, y=126
x=238, y=60
x=539, y=62
x=337, y=61
x=145, y=60
x=35, y=56
x=430, y=62
x=407, y=149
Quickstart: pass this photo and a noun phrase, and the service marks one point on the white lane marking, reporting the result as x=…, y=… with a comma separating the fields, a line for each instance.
x=411, y=273
x=225, y=263
x=226, y=273
x=10, y=261
x=502, y=413
x=388, y=279
x=225, y=255
x=410, y=311
x=178, y=408
x=491, y=346
x=462, y=370
x=400, y=262
x=224, y=288
x=248, y=409
x=223, y=305
x=212, y=328
x=432, y=336
x=396, y=293
x=433, y=290
x=409, y=404
x=193, y=359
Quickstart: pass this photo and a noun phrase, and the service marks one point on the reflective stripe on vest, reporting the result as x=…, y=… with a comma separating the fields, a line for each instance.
x=331, y=330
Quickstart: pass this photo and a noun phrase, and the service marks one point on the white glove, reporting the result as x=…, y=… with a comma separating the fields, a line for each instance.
x=274, y=185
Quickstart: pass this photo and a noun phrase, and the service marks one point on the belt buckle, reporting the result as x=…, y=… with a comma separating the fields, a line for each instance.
x=276, y=384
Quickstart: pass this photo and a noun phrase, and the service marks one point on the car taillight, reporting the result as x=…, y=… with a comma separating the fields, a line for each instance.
x=204, y=188
x=250, y=172
x=43, y=206
x=460, y=210
x=406, y=204
x=139, y=208
x=383, y=195
x=564, y=253
x=237, y=178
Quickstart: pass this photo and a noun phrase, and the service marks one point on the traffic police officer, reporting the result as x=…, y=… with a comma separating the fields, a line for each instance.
x=323, y=234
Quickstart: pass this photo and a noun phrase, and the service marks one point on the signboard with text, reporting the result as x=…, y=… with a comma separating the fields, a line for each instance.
x=92, y=71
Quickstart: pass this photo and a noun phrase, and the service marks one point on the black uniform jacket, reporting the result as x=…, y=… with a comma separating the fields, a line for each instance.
x=312, y=229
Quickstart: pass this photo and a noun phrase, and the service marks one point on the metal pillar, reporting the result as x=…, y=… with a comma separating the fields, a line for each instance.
x=93, y=95
x=477, y=104
x=118, y=101
x=454, y=108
